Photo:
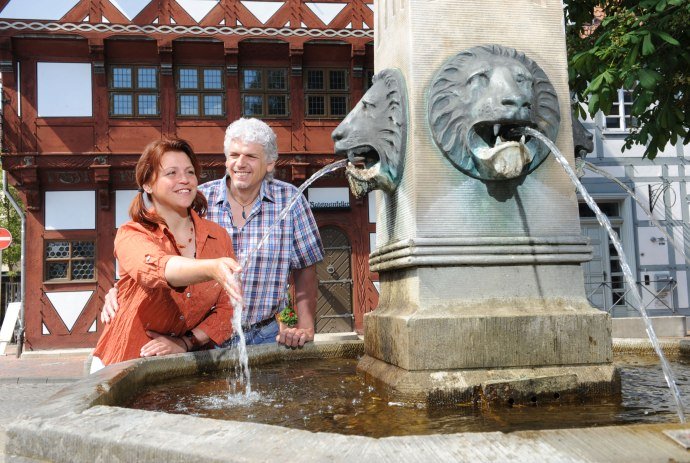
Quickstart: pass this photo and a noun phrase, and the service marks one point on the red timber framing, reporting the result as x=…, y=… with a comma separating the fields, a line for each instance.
x=97, y=153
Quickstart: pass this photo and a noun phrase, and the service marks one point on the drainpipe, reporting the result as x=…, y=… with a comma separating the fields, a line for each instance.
x=20, y=329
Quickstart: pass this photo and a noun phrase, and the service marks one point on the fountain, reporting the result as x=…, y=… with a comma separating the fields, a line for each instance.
x=482, y=293
x=478, y=239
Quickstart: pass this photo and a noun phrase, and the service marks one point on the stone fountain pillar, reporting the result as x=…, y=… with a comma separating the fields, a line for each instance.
x=482, y=291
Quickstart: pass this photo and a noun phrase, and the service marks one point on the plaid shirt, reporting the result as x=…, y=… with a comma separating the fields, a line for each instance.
x=293, y=244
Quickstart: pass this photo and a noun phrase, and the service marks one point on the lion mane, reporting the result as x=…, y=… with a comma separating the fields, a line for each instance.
x=374, y=135
x=450, y=103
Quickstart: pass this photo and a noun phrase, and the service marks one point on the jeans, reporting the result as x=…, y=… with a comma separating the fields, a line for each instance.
x=256, y=335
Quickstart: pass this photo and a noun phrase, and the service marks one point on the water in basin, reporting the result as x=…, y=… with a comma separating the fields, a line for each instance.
x=328, y=395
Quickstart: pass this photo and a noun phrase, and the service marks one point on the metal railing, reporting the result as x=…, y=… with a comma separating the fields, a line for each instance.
x=618, y=294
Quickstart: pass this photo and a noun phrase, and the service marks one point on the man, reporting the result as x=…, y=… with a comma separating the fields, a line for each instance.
x=247, y=202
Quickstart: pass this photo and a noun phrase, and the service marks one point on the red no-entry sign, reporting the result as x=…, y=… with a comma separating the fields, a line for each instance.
x=5, y=238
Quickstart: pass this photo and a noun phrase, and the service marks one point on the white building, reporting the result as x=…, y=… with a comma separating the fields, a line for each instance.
x=660, y=185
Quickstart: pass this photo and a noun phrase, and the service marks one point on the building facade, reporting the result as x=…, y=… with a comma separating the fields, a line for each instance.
x=87, y=84
x=660, y=188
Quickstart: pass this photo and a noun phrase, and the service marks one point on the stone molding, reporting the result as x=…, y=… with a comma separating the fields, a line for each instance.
x=480, y=251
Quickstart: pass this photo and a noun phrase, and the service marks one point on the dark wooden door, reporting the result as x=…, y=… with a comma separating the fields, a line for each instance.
x=334, y=302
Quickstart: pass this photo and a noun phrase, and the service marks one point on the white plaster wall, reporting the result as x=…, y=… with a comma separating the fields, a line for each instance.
x=64, y=89
x=70, y=210
x=372, y=242
x=679, y=240
x=123, y=198
x=372, y=206
x=651, y=253
x=669, y=151
x=646, y=171
x=612, y=148
x=69, y=304
x=642, y=193
x=616, y=171
x=676, y=202
x=37, y=9
x=682, y=289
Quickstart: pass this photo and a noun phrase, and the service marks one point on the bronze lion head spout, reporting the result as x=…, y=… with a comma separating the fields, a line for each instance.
x=374, y=135
x=478, y=102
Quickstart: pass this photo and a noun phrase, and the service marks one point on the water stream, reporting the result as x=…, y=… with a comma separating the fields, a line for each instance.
x=627, y=272
x=242, y=373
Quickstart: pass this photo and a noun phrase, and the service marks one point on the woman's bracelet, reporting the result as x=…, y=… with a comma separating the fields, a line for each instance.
x=184, y=340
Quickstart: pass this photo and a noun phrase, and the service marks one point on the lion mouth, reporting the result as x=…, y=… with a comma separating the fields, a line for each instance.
x=364, y=169
x=500, y=149
x=361, y=157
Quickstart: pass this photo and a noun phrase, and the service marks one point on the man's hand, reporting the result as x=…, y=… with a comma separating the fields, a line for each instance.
x=109, y=306
x=305, y=306
x=161, y=344
x=295, y=336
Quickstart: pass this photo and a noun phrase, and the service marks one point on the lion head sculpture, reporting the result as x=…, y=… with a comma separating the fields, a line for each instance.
x=479, y=100
x=374, y=135
x=583, y=142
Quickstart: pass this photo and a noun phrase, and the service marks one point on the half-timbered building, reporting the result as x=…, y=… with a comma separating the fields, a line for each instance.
x=88, y=83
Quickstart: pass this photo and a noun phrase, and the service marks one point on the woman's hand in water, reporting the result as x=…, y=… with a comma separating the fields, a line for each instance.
x=227, y=272
x=161, y=344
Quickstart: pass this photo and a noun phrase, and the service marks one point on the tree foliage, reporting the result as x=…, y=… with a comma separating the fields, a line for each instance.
x=641, y=46
x=10, y=220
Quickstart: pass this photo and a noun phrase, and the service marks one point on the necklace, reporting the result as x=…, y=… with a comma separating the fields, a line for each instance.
x=244, y=215
x=191, y=237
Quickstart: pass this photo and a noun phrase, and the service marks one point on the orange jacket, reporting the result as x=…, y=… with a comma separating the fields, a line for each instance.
x=147, y=302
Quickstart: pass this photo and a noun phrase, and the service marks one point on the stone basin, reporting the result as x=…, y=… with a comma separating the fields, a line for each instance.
x=83, y=423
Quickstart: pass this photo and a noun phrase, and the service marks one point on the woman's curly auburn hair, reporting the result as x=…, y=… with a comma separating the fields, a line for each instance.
x=146, y=172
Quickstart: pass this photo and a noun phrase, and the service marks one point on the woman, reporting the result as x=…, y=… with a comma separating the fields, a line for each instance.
x=176, y=285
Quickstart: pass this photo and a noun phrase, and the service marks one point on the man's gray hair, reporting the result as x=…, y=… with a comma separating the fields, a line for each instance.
x=251, y=130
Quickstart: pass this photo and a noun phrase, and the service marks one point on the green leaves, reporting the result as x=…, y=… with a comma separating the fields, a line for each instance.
x=639, y=46
x=666, y=38
x=647, y=45
x=648, y=79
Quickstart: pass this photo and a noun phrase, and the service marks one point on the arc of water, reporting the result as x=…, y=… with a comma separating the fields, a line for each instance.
x=320, y=173
x=646, y=210
x=243, y=373
x=627, y=272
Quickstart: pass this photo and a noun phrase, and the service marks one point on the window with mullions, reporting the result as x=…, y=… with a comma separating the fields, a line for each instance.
x=264, y=92
x=200, y=92
x=326, y=92
x=619, y=118
x=133, y=91
x=70, y=260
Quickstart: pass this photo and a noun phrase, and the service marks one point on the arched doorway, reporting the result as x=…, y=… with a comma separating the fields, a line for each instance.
x=334, y=301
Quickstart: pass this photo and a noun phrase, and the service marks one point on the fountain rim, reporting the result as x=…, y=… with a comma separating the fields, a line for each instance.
x=83, y=420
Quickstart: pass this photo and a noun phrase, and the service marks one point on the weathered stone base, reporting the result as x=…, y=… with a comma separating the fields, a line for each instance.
x=493, y=335
x=566, y=383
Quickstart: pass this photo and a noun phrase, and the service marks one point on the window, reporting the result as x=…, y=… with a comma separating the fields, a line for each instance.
x=619, y=118
x=200, y=92
x=133, y=91
x=326, y=93
x=70, y=260
x=264, y=92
